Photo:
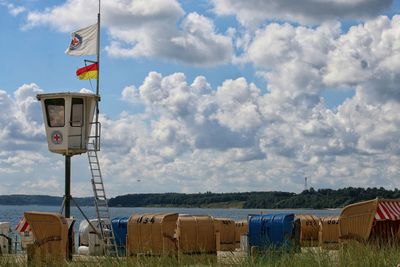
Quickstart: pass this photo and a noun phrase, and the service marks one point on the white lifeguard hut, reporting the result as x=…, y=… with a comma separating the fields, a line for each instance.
x=72, y=128
x=68, y=119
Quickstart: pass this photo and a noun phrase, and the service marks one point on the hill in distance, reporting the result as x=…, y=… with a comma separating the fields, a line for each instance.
x=44, y=200
x=308, y=199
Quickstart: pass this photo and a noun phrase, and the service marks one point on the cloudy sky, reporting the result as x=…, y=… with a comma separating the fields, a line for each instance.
x=212, y=95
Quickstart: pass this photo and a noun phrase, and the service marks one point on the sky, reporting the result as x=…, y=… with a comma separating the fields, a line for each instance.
x=208, y=95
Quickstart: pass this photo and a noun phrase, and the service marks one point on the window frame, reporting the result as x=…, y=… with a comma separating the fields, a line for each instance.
x=77, y=101
x=54, y=102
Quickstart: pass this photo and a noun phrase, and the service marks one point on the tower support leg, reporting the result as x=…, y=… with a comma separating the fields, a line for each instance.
x=67, y=202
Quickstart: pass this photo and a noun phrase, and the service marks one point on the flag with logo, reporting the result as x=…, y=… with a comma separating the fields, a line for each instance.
x=88, y=72
x=84, y=42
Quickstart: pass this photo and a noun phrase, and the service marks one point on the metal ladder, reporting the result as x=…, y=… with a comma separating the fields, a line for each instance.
x=101, y=203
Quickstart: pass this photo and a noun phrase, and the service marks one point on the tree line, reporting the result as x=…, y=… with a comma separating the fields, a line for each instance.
x=44, y=200
x=313, y=199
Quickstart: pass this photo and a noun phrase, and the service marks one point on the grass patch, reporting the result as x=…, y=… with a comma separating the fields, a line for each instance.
x=350, y=255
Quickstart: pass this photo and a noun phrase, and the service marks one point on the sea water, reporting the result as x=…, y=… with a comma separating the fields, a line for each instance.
x=12, y=214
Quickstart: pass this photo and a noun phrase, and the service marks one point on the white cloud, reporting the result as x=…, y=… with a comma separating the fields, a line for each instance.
x=70, y=16
x=238, y=105
x=252, y=13
x=212, y=119
x=12, y=9
x=21, y=128
x=21, y=119
x=25, y=161
x=86, y=91
x=280, y=43
x=298, y=139
x=130, y=94
x=46, y=186
x=196, y=43
x=156, y=28
x=368, y=56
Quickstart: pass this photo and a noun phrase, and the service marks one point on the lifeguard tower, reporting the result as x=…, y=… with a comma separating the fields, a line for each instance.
x=68, y=119
x=71, y=130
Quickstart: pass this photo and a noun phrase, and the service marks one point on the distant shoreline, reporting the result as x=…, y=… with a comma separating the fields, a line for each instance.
x=308, y=199
x=171, y=207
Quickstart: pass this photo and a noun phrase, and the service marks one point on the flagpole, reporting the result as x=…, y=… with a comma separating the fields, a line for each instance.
x=97, y=134
x=98, y=51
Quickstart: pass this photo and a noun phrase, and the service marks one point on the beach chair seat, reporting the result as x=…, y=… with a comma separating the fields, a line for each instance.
x=50, y=232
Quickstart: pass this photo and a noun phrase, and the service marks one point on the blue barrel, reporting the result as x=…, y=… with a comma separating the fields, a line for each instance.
x=120, y=225
x=271, y=230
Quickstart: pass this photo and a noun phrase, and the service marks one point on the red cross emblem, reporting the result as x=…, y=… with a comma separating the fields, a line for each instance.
x=56, y=137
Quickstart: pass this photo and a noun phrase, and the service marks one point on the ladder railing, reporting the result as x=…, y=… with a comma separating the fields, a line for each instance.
x=101, y=203
x=94, y=137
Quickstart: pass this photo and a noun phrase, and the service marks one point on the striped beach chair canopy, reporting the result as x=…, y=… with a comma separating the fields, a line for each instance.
x=388, y=210
x=22, y=226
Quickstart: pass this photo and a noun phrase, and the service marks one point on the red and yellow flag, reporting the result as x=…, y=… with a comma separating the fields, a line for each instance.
x=88, y=72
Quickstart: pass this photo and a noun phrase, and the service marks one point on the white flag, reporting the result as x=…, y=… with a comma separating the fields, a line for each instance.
x=84, y=42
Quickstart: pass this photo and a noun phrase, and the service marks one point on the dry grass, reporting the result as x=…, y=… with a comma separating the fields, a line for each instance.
x=352, y=255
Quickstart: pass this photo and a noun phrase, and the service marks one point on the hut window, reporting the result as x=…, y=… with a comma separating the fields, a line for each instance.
x=55, y=112
x=77, y=112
